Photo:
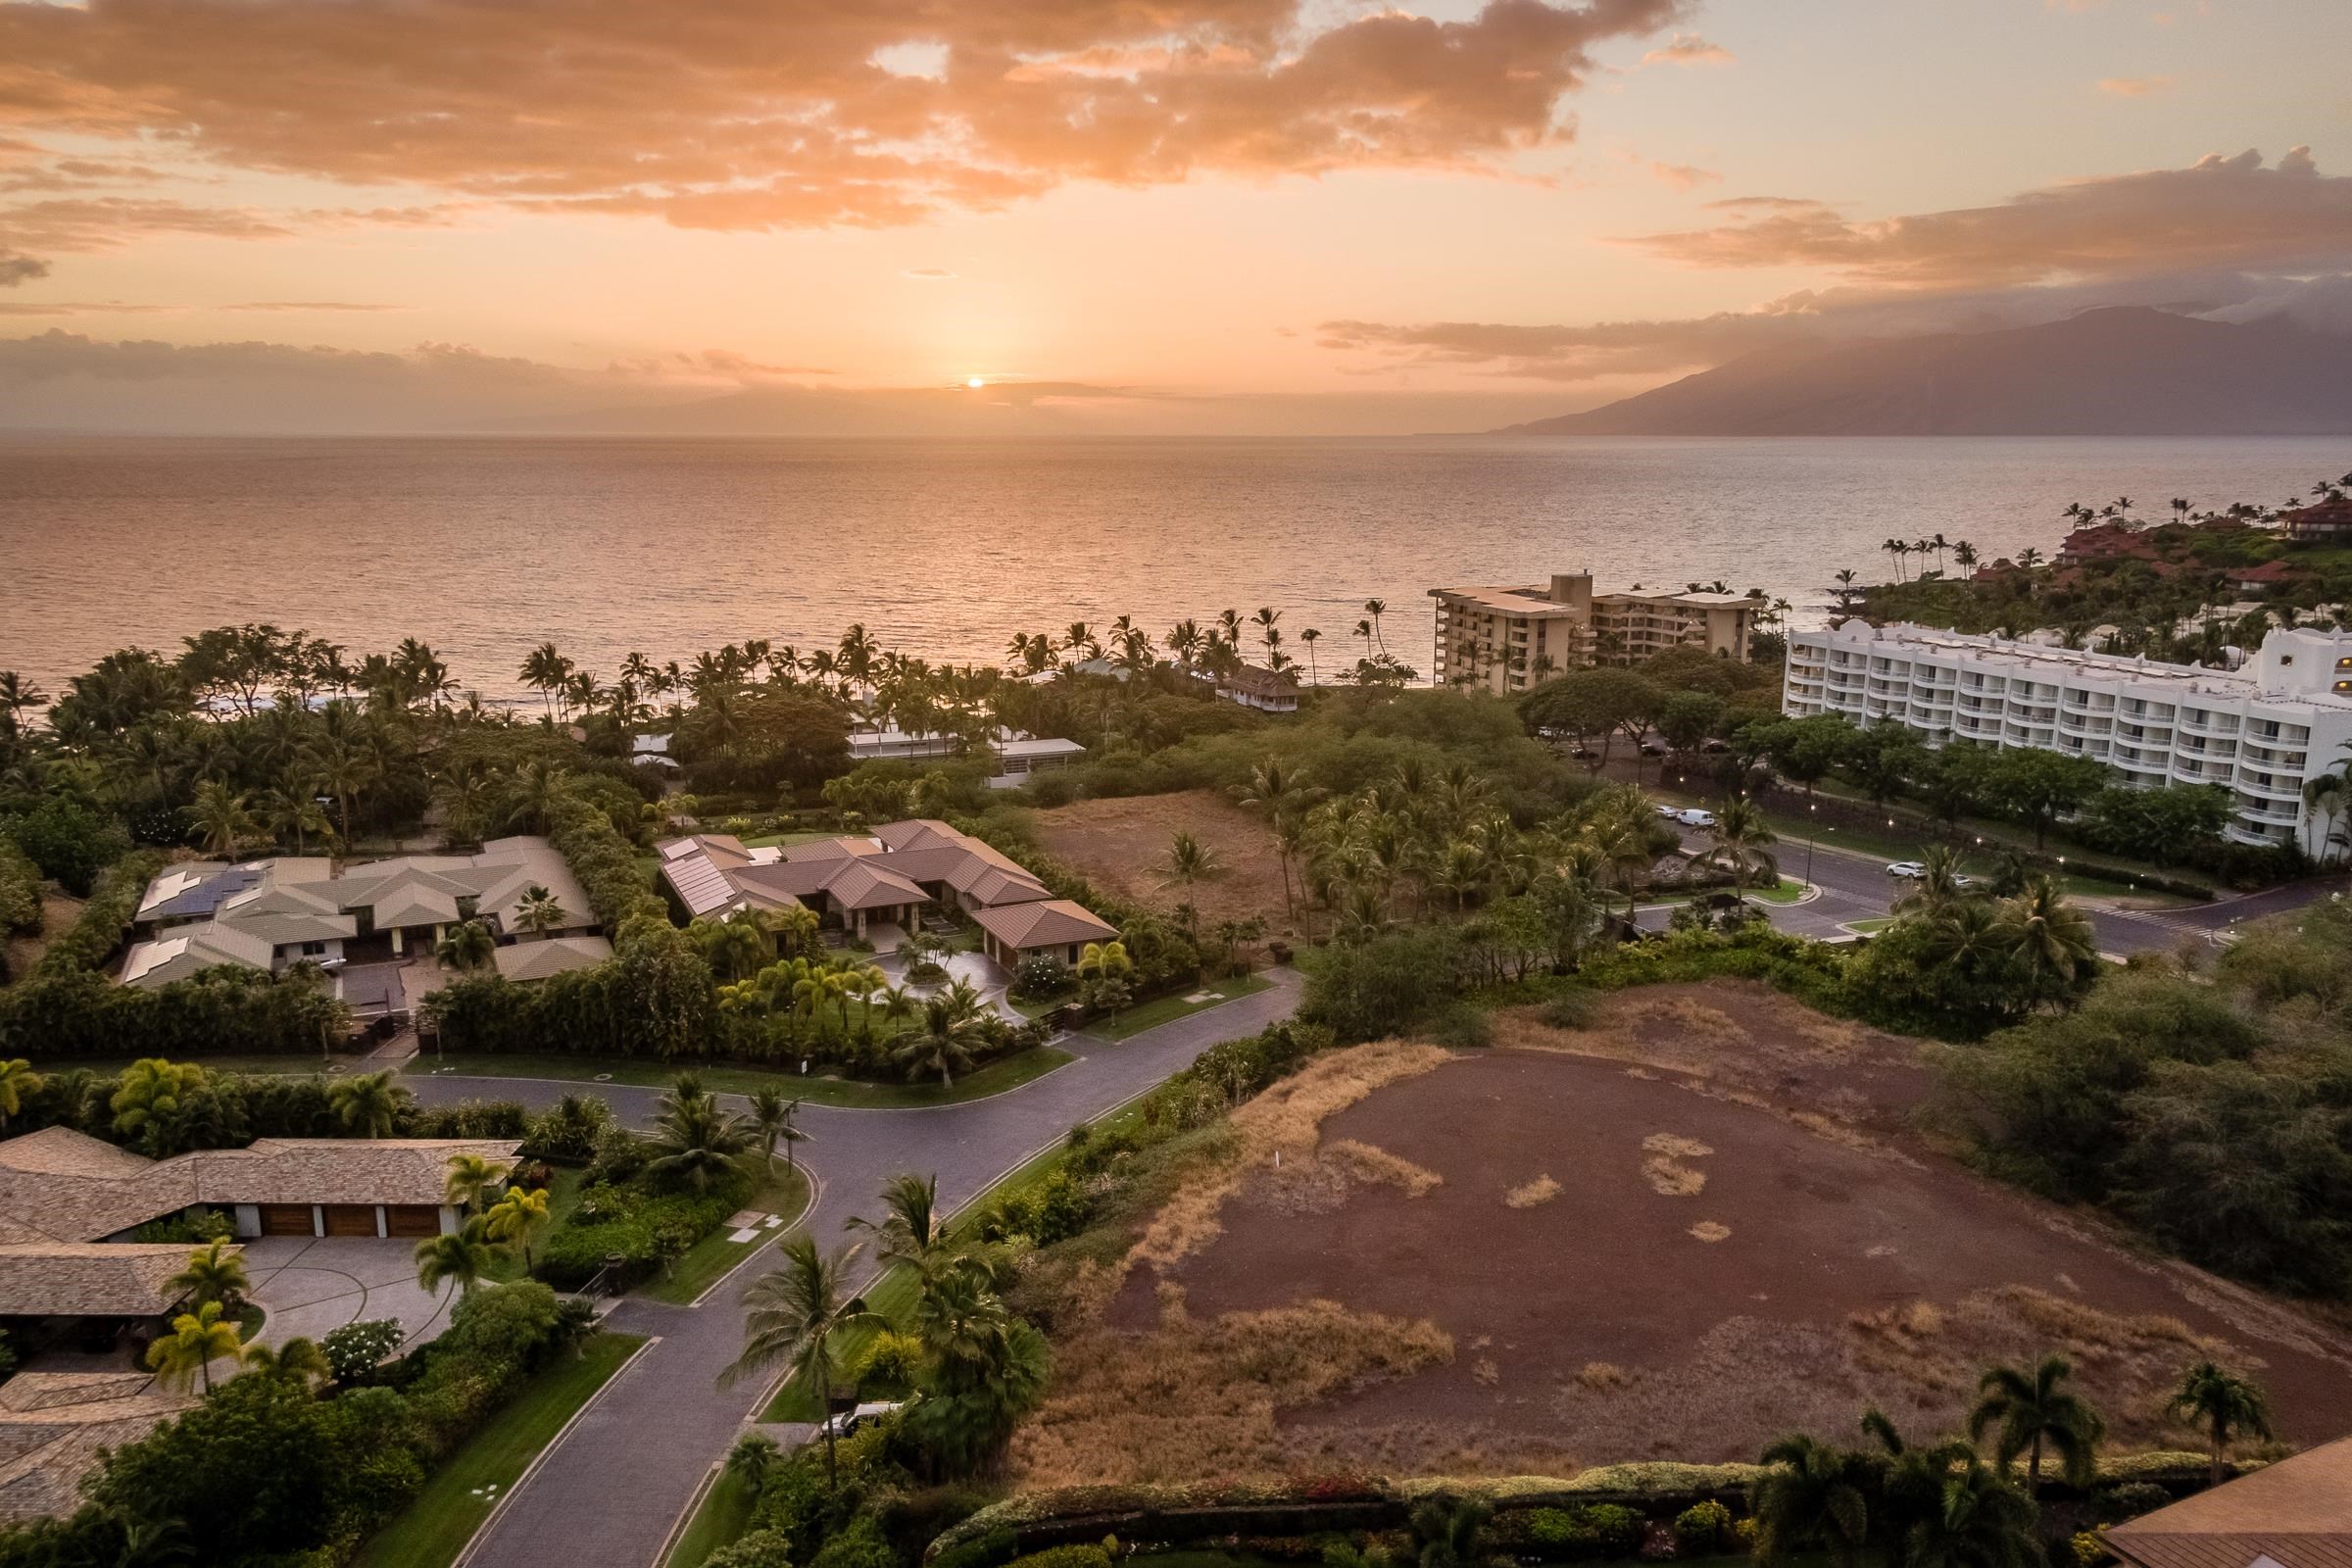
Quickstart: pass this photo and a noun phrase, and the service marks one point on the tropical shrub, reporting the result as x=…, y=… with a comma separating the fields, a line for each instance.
x=69, y=843
x=98, y=931
x=644, y=1226
x=762, y=1548
x=1066, y=1557
x=1702, y=1528
x=355, y=1350
x=1363, y=991
x=862, y=1544
x=1040, y=975
x=20, y=891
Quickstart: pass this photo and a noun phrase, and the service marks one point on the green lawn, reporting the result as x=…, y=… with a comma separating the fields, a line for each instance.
x=1786, y=891
x=456, y=1499
x=784, y=1193
x=1167, y=1008
x=563, y=1197
x=811, y=836
x=1009, y=1072
x=721, y=1519
x=1865, y=928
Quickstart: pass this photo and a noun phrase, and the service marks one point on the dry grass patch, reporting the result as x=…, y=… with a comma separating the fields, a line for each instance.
x=1665, y=1170
x=1191, y=1399
x=1542, y=1190
x=1603, y=1376
x=1708, y=1230
x=1284, y=1122
x=1121, y=845
x=2089, y=1334
x=1485, y=1373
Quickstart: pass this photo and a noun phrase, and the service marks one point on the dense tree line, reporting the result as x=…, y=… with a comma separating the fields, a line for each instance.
x=2209, y=1110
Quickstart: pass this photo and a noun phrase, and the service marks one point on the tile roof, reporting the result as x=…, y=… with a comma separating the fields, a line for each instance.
x=2297, y=1512
x=263, y=905
x=535, y=959
x=88, y=1279
x=52, y=1425
x=862, y=885
x=893, y=866
x=65, y=1187
x=1046, y=923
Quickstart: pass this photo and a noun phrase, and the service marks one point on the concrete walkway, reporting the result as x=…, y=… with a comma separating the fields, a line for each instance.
x=611, y=1489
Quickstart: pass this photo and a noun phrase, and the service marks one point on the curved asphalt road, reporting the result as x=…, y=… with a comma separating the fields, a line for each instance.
x=611, y=1488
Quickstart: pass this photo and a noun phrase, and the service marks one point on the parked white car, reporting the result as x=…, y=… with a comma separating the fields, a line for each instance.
x=1672, y=814
x=1695, y=817
x=848, y=1421
x=1908, y=870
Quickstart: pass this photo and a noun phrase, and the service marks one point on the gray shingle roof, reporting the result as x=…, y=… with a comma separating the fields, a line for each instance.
x=52, y=1425
x=88, y=1279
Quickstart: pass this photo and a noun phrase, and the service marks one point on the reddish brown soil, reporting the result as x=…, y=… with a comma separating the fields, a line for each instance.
x=1122, y=846
x=59, y=910
x=1594, y=1325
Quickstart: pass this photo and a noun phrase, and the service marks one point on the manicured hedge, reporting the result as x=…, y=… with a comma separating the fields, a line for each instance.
x=229, y=1009
x=1175, y=1514
x=605, y=861
x=105, y=920
x=20, y=891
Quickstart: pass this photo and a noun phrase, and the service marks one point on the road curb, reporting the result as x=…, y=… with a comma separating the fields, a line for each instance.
x=694, y=1505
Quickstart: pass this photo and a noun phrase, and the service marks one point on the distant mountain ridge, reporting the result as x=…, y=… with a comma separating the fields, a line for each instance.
x=2125, y=370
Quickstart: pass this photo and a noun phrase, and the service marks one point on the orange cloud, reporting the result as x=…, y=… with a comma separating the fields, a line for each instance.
x=1684, y=176
x=1689, y=49
x=2222, y=213
x=753, y=114
x=2135, y=87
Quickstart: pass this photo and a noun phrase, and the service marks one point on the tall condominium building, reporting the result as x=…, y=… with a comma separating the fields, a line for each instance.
x=1509, y=639
x=2261, y=731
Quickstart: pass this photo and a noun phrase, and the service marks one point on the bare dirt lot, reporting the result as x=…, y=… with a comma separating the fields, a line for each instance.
x=59, y=910
x=1122, y=845
x=1710, y=1232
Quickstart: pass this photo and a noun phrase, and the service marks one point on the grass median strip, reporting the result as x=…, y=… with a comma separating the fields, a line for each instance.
x=1168, y=1009
x=1010, y=1072
x=783, y=1193
x=722, y=1518
x=460, y=1494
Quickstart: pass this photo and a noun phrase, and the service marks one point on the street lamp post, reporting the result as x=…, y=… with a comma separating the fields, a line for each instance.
x=1812, y=825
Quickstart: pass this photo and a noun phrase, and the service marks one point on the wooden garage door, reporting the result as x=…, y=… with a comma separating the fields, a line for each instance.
x=350, y=1219
x=411, y=1219
x=286, y=1219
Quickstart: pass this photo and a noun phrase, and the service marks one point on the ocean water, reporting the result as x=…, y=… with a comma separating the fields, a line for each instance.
x=486, y=547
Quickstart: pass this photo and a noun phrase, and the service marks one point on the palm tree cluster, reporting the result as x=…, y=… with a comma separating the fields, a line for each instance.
x=2022, y=921
x=982, y=1366
x=1946, y=1504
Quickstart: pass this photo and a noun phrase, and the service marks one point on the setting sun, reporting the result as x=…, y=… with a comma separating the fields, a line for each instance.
x=975, y=383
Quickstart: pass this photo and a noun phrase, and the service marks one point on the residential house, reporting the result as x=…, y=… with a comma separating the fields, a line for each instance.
x=2268, y=577
x=2327, y=523
x=893, y=875
x=1269, y=691
x=1509, y=639
x=2295, y=1513
x=269, y=915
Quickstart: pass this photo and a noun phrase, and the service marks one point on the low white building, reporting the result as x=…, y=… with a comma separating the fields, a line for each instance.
x=2261, y=731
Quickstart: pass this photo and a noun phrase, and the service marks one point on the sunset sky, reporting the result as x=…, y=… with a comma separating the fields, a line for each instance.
x=1323, y=214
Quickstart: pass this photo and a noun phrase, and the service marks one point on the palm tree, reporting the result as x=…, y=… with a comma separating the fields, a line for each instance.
x=694, y=1141
x=2031, y=1406
x=1310, y=637
x=1446, y=1529
x=943, y=1045
x=466, y=946
x=1188, y=861
x=545, y=670
x=1739, y=838
x=1939, y=888
x=299, y=1358
x=368, y=1105
x=538, y=911
x=197, y=1338
x=914, y=1229
x=1976, y=1520
x=18, y=1083
x=2223, y=1405
x=470, y=1179
x=772, y=1119
x=2324, y=798
x=1814, y=1497
x=1374, y=609
x=216, y=1273
x=221, y=818
x=290, y=812
x=458, y=1259
x=519, y=1213
x=794, y=1315
x=2048, y=934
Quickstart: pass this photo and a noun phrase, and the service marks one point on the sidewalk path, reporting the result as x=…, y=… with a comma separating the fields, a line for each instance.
x=609, y=1493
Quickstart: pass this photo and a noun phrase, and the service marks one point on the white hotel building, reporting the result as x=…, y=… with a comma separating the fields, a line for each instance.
x=2261, y=731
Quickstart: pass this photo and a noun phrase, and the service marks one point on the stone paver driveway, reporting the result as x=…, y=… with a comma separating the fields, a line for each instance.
x=310, y=1285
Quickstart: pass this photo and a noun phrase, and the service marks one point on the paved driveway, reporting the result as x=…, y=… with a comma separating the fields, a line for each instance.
x=310, y=1285
x=607, y=1495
